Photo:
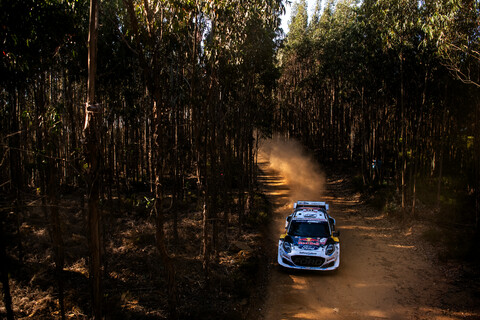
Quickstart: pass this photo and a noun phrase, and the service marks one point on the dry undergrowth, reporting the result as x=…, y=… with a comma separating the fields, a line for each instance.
x=134, y=285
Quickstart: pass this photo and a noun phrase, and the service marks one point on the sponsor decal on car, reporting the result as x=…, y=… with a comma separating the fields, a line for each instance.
x=309, y=241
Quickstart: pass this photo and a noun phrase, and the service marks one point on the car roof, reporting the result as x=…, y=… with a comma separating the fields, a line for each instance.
x=310, y=214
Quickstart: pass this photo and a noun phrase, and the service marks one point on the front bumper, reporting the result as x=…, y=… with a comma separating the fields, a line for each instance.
x=308, y=260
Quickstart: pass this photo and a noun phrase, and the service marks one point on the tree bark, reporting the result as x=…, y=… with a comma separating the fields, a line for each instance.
x=159, y=230
x=477, y=171
x=403, y=134
x=4, y=273
x=56, y=233
x=93, y=158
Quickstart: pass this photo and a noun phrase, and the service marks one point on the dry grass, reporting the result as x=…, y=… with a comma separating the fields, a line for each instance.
x=134, y=283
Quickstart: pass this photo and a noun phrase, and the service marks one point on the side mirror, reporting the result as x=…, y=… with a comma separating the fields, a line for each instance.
x=287, y=221
x=332, y=221
x=336, y=233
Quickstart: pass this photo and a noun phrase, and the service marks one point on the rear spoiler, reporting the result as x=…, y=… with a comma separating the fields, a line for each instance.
x=306, y=204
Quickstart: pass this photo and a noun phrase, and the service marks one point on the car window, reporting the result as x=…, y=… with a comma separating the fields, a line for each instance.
x=309, y=229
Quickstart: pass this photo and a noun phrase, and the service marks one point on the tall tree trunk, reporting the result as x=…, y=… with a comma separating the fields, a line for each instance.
x=477, y=170
x=151, y=70
x=414, y=191
x=441, y=155
x=48, y=181
x=206, y=244
x=16, y=176
x=56, y=233
x=403, y=134
x=158, y=150
x=69, y=103
x=14, y=145
x=93, y=158
x=4, y=273
x=364, y=163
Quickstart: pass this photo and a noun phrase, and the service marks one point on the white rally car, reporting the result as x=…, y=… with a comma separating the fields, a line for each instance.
x=310, y=240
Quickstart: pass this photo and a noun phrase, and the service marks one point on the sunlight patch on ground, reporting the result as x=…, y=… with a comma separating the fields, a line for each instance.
x=343, y=200
x=378, y=314
x=303, y=315
x=338, y=181
x=379, y=217
x=409, y=232
x=325, y=312
x=79, y=266
x=365, y=228
x=277, y=183
x=441, y=314
x=361, y=285
x=299, y=283
x=278, y=193
x=400, y=246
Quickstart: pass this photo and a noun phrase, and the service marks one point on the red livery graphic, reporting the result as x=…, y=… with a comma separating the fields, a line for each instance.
x=309, y=241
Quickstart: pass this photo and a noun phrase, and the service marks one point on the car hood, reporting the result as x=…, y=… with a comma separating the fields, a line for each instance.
x=309, y=243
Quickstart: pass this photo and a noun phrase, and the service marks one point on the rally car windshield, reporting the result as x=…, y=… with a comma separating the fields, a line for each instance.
x=309, y=229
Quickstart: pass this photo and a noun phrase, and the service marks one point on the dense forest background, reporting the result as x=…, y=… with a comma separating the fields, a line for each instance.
x=184, y=92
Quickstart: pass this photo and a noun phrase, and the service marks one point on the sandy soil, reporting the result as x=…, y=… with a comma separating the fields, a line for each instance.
x=385, y=271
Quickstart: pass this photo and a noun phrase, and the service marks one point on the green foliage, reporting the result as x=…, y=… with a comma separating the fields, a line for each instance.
x=148, y=202
x=53, y=121
x=298, y=24
x=398, y=21
x=32, y=34
x=451, y=27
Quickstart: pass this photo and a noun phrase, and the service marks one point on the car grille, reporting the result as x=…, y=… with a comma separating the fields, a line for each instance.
x=287, y=262
x=307, y=261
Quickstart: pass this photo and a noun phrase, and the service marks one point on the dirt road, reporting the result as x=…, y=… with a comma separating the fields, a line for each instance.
x=383, y=273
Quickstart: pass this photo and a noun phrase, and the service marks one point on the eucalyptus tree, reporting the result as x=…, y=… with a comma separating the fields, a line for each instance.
x=93, y=159
x=157, y=27
x=318, y=62
x=298, y=24
x=33, y=35
x=399, y=23
x=451, y=27
x=295, y=63
x=239, y=38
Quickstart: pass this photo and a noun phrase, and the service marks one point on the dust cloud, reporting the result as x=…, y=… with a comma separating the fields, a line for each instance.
x=300, y=170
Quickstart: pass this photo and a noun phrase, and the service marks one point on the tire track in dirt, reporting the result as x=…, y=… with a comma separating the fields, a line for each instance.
x=382, y=274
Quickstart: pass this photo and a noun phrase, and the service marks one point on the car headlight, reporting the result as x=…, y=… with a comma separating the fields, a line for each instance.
x=287, y=246
x=330, y=249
